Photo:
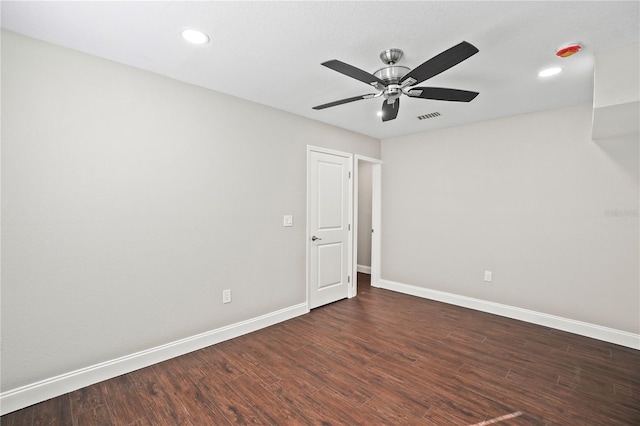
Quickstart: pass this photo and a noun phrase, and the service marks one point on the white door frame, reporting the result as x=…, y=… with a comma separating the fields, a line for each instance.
x=376, y=195
x=350, y=244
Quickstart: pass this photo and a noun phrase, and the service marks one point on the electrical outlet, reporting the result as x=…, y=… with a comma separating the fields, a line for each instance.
x=226, y=296
x=287, y=220
x=488, y=275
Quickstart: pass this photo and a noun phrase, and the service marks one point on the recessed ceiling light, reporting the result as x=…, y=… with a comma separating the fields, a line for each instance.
x=549, y=72
x=194, y=36
x=379, y=114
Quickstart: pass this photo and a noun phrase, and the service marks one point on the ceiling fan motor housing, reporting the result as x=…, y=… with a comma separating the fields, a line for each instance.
x=392, y=74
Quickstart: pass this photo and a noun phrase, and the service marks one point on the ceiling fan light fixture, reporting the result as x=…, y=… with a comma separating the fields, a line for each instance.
x=194, y=36
x=548, y=72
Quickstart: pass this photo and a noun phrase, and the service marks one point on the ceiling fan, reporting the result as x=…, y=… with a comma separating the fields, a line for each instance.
x=393, y=80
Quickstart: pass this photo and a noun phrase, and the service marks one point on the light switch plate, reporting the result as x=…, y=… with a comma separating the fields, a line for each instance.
x=288, y=220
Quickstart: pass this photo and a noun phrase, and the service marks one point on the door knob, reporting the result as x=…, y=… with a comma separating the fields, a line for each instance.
x=315, y=238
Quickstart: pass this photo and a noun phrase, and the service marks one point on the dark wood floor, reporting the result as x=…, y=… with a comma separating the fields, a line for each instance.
x=380, y=358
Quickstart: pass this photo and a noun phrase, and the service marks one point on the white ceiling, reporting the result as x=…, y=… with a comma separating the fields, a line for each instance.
x=270, y=52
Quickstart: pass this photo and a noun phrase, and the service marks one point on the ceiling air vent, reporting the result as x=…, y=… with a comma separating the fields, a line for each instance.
x=430, y=115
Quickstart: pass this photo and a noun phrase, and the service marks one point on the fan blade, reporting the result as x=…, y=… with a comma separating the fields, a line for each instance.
x=345, y=101
x=353, y=72
x=442, y=94
x=441, y=62
x=390, y=111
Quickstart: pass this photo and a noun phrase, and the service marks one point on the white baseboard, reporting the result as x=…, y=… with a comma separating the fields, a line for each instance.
x=25, y=396
x=364, y=269
x=606, y=334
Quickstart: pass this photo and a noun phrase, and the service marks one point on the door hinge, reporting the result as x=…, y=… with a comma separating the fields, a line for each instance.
x=348, y=278
x=349, y=227
x=372, y=231
x=349, y=175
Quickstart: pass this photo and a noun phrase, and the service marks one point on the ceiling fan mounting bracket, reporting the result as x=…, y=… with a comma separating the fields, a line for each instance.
x=391, y=56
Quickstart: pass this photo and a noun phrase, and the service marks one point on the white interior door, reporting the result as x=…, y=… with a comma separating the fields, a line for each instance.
x=328, y=232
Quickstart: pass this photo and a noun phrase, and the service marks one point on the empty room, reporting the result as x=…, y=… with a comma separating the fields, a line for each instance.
x=218, y=212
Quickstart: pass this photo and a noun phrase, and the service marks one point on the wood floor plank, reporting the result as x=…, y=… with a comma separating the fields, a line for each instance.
x=341, y=411
x=22, y=417
x=271, y=408
x=221, y=364
x=56, y=411
x=159, y=404
x=122, y=399
x=144, y=421
x=98, y=415
x=87, y=398
x=410, y=397
x=179, y=384
x=253, y=360
x=235, y=408
x=391, y=412
x=290, y=394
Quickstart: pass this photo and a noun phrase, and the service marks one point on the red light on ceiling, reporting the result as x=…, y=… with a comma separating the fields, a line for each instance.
x=568, y=50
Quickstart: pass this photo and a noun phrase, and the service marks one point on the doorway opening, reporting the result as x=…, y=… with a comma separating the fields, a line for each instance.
x=367, y=193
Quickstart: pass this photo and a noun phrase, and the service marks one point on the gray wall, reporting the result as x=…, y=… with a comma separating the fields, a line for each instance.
x=532, y=198
x=365, y=169
x=130, y=201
